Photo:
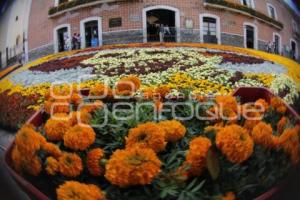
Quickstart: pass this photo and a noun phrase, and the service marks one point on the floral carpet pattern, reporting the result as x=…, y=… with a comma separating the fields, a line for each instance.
x=199, y=68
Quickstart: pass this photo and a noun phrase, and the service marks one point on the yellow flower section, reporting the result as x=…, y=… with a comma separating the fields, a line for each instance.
x=292, y=66
x=266, y=79
x=184, y=81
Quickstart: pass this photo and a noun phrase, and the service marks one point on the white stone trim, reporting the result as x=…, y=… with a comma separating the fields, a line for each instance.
x=218, y=25
x=124, y=30
x=177, y=19
x=82, y=30
x=255, y=34
x=55, y=39
x=56, y=2
x=280, y=41
x=269, y=11
x=297, y=50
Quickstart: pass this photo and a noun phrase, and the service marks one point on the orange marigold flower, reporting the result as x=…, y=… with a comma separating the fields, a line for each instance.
x=70, y=164
x=28, y=164
x=261, y=103
x=289, y=140
x=235, y=143
x=278, y=105
x=262, y=134
x=161, y=92
x=34, y=166
x=52, y=166
x=148, y=135
x=28, y=140
x=101, y=91
x=92, y=107
x=129, y=83
x=227, y=102
x=52, y=149
x=79, y=137
x=56, y=126
x=94, y=162
x=134, y=166
x=196, y=156
x=174, y=130
x=252, y=119
x=53, y=106
x=148, y=93
x=72, y=190
x=80, y=117
x=76, y=98
x=229, y=196
x=281, y=124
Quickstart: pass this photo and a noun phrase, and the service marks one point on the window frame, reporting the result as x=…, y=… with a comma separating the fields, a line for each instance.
x=245, y=24
x=280, y=41
x=218, y=26
x=252, y=4
x=269, y=11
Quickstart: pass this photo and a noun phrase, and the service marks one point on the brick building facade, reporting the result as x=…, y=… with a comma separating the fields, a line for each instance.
x=243, y=23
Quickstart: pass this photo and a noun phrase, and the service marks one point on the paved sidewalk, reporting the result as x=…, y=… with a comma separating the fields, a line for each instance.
x=9, y=190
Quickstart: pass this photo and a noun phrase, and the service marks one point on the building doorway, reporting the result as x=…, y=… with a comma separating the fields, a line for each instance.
x=62, y=38
x=250, y=36
x=293, y=49
x=277, y=43
x=91, y=34
x=161, y=24
x=62, y=35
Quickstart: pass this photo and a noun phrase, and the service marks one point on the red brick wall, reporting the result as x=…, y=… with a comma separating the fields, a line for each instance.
x=41, y=26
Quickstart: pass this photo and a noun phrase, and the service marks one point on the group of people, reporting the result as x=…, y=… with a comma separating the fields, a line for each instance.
x=160, y=32
x=76, y=41
x=273, y=48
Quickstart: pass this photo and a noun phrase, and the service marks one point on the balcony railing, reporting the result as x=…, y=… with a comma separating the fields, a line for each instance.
x=239, y=8
x=76, y=4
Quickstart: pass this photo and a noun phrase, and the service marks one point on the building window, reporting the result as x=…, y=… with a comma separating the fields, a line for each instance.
x=210, y=29
x=248, y=3
x=272, y=11
x=294, y=26
x=62, y=1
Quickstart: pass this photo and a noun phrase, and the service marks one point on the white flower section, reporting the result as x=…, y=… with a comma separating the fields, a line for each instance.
x=29, y=78
x=284, y=84
x=266, y=67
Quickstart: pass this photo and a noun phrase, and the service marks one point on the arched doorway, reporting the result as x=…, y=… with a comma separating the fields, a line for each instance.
x=250, y=36
x=62, y=38
x=293, y=49
x=161, y=23
x=91, y=32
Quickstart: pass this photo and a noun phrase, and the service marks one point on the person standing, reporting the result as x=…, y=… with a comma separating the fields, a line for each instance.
x=161, y=33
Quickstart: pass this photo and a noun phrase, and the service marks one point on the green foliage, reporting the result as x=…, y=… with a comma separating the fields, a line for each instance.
x=262, y=171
